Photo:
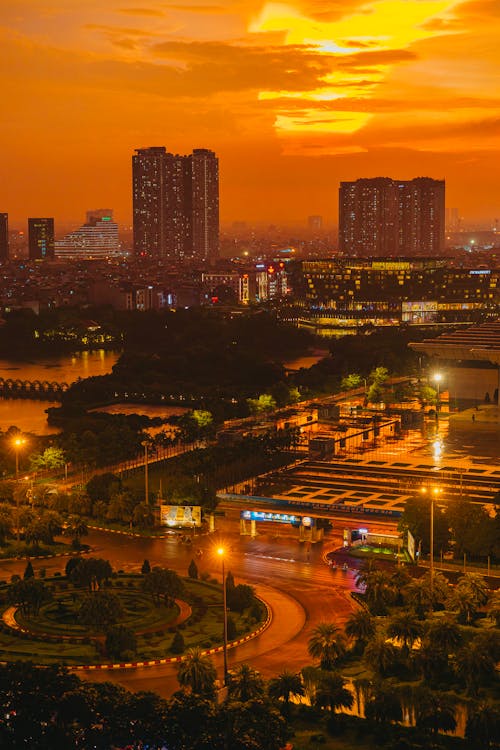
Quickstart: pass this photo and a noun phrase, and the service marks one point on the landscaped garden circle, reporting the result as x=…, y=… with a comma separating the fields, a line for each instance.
x=156, y=629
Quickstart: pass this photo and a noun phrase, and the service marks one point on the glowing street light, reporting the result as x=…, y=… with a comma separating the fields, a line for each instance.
x=221, y=552
x=18, y=444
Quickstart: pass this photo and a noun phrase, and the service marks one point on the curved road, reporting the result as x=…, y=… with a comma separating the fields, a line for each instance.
x=300, y=589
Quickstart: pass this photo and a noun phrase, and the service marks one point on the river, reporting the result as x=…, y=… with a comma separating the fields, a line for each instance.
x=30, y=416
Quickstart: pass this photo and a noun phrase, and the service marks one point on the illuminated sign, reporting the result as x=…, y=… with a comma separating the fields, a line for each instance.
x=180, y=515
x=260, y=515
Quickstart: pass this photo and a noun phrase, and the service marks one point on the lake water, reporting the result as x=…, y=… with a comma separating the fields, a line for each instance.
x=30, y=416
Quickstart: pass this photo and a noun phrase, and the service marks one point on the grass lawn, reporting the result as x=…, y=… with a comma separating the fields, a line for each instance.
x=28, y=550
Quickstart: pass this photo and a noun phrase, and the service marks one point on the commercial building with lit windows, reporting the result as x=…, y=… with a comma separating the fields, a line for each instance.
x=339, y=293
x=41, y=238
x=96, y=239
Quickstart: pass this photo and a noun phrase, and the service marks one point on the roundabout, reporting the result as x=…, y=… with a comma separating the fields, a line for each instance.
x=60, y=630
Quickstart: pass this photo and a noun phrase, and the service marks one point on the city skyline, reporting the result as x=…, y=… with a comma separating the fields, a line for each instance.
x=294, y=98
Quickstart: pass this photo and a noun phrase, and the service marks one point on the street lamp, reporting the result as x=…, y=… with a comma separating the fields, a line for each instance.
x=221, y=552
x=18, y=444
x=437, y=377
x=146, y=473
x=433, y=493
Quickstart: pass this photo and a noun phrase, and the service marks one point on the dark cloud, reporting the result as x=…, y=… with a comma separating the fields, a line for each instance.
x=375, y=57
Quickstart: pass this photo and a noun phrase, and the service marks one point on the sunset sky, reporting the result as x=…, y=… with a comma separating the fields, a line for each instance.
x=293, y=96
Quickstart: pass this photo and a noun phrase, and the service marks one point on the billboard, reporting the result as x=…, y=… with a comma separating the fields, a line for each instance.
x=411, y=545
x=180, y=515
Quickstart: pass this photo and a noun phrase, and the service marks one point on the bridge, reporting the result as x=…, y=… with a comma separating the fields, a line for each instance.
x=40, y=390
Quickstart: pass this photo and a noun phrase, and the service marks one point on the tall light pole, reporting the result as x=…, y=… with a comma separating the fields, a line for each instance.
x=437, y=377
x=433, y=493
x=146, y=474
x=221, y=552
x=18, y=444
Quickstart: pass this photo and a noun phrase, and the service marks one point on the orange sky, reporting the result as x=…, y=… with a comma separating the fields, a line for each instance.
x=294, y=96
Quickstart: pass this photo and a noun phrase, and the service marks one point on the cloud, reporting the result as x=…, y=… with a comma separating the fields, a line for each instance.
x=142, y=12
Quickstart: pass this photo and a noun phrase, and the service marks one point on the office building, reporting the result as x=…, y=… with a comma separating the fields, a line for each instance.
x=41, y=238
x=176, y=204
x=4, y=236
x=389, y=218
x=97, y=238
x=315, y=223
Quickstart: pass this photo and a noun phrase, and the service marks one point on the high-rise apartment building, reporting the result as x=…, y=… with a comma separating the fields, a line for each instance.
x=386, y=217
x=205, y=204
x=4, y=236
x=41, y=238
x=176, y=203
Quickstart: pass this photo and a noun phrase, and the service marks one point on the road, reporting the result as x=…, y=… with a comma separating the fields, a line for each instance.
x=300, y=589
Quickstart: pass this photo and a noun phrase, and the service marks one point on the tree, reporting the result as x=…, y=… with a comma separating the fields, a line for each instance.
x=119, y=641
x=351, y=381
x=483, y=726
x=285, y=686
x=252, y=725
x=102, y=486
x=6, y=523
x=360, y=627
x=146, y=567
x=240, y=597
x=417, y=518
x=163, y=583
x=434, y=713
x=422, y=595
x=381, y=656
x=475, y=665
x=52, y=458
x=28, y=571
x=383, y=704
x=177, y=646
x=245, y=684
x=143, y=516
x=406, y=630
x=327, y=645
x=378, y=588
x=91, y=572
x=494, y=607
x=263, y=404
x=470, y=593
x=99, y=610
x=193, y=570
x=332, y=694
x=75, y=528
x=29, y=594
x=197, y=673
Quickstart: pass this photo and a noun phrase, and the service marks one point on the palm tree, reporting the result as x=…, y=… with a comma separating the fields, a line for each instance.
x=422, y=595
x=246, y=684
x=445, y=635
x=483, y=726
x=477, y=586
x=197, y=672
x=381, y=656
x=285, y=686
x=405, y=629
x=378, y=588
x=76, y=528
x=494, y=607
x=434, y=713
x=326, y=644
x=383, y=705
x=475, y=664
x=332, y=693
x=360, y=627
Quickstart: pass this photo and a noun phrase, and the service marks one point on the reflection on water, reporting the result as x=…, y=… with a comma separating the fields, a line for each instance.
x=61, y=369
x=30, y=416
